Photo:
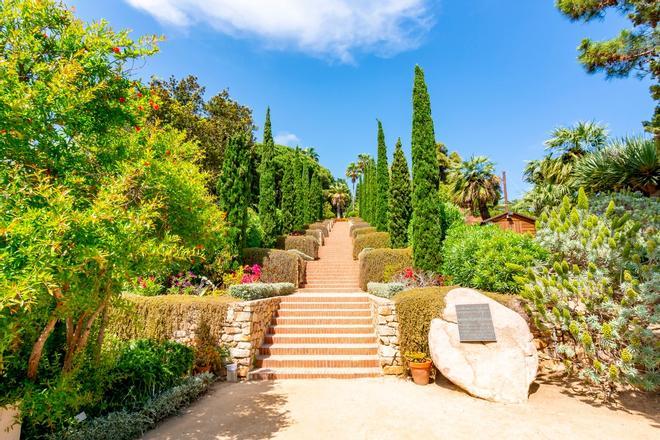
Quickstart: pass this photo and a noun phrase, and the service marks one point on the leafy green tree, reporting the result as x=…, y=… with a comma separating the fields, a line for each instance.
x=267, y=193
x=631, y=163
x=181, y=104
x=339, y=197
x=288, y=206
x=476, y=186
x=400, y=209
x=382, y=182
x=90, y=193
x=234, y=190
x=427, y=210
x=633, y=50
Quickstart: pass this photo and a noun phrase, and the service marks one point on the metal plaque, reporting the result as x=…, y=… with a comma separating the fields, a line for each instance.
x=475, y=324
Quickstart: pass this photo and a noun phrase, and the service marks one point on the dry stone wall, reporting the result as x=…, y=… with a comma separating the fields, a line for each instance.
x=386, y=324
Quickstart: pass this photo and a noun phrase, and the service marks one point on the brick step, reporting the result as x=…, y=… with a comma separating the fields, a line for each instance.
x=331, y=286
x=319, y=320
x=346, y=338
x=321, y=329
x=313, y=373
x=319, y=349
x=310, y=313
x=298, y=298
x=356, y=289
x=317, y=361
x=318, y=305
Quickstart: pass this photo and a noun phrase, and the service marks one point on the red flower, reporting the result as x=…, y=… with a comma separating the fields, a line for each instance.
x=140, y=107
x=139, y=94
x=122, y=99
x=199, y=246
x=137, y=128
x=408, y=273
x=146, y=164
x=167, y=152
x=116, y=50
x=155, y=106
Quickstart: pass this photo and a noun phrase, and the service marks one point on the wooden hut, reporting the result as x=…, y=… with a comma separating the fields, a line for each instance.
x=512, y=221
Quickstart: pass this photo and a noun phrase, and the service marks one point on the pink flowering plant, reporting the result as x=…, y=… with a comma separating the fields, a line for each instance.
x=251, y=274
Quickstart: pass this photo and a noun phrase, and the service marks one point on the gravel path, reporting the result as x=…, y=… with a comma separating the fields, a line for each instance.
x=390, y=408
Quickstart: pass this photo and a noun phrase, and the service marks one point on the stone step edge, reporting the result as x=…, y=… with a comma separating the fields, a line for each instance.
x=347, y=371
x=317, y=357
x=312, y=345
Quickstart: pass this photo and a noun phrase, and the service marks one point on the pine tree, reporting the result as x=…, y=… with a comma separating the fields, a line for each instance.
x=304, y=192
x=427, y=209
x=267, y=193
x=299, y=211
x=288, y=206
x=316, y=201
x=400, y=208
x=382, y=182
x=234, y=190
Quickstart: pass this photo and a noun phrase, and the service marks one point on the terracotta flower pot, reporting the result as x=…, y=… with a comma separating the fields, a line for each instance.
x=205, y=369
x=9, y=429
x=420, y=372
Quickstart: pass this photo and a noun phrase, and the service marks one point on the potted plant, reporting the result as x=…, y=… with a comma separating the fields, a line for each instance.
x=420, y=365
x=207, y=354
x=10, y=425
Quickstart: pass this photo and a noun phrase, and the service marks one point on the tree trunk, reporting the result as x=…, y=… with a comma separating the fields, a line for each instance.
x=81, y=334
x=354, y=197
x=38, y=348
x=483, y=210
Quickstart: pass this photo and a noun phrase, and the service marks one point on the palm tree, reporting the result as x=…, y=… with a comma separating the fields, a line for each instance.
x=476, y=186
x=311, y=152
x=576, y=141
x=352, y=172
x=629, y=163
x=338, y=195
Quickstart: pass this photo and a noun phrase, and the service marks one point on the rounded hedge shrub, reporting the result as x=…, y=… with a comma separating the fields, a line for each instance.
x=277, y=266
x=304, y=243
x=379, y=265
x=477, y=256
x=375, y=240
x=363, y=230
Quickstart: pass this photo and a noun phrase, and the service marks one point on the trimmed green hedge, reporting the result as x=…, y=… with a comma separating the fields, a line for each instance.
x=277, y=266
x=416, y=308
x=325, y=230
x=305, y=244
x=477, y=256
x=378, y=265
x=363, y=230
x=317, y=234
x=375, y=240
x=252, y=291
x=158, y=317
x=356, y=225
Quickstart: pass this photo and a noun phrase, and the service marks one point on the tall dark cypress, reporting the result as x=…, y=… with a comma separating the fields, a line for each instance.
x=267, y=191
x=315, y=199
x=304, y=192
x=382, y=182
x=427, y=209
x=234, y=190
x=299, y=212
x=400, y=208
x=288, y=207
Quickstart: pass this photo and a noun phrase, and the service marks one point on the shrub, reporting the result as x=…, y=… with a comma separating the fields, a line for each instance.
x=207, y=351
x=305, y=244
x=379, y=265
x=412, y=278
x=363, y=230
x=598, y=300
x=125, y=425
x=477, y=256
x=254, y=233
x=320, y=227
x=385, y=290
x=145, y=368
x=158, y=317
x=249, y=292
x=317, y=234
x=277, y=266
x=375, y=240
x=416, y=308
x=355, y=225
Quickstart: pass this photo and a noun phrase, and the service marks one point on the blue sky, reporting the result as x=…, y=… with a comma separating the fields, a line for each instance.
x=501, y=74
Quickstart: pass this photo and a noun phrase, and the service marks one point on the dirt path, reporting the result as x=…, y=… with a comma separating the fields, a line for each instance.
x=390, y=408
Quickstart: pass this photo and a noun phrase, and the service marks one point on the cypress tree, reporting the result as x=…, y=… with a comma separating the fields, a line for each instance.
x=299, y=213
x=305, y=192
x=234, y=190
x=382, y=182
x=427, y=209
x=400, y=208
x=315, y=202
x=267, y=193
x=288, y=207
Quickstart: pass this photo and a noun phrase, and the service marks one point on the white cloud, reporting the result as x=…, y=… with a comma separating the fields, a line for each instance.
x=286, y=138
x=327, y=28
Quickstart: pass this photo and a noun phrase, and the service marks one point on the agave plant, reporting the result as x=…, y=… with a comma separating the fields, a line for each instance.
x=629, y=163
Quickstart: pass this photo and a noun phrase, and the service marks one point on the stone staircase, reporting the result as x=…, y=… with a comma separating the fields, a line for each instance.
x=326, y=329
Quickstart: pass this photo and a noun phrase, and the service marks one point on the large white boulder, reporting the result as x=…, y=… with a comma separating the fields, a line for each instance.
x=498, y=371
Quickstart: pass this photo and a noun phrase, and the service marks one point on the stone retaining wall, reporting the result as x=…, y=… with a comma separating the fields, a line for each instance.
x=386, y=324
x=243, y=329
